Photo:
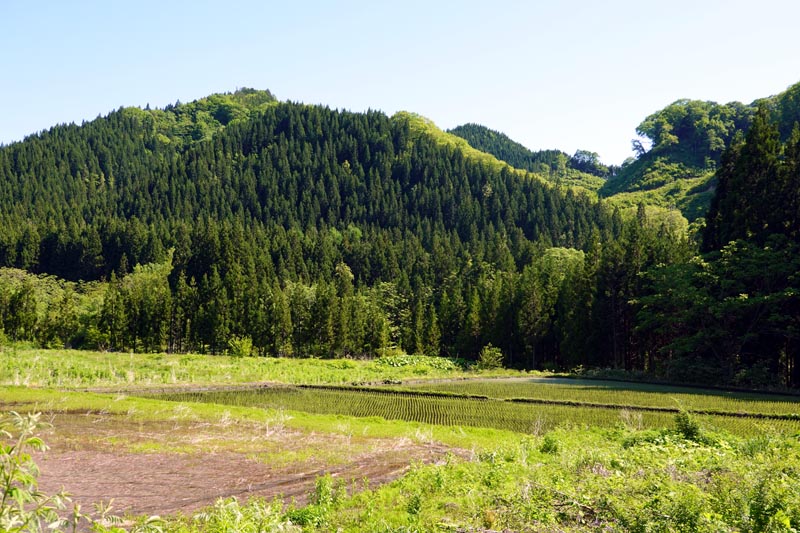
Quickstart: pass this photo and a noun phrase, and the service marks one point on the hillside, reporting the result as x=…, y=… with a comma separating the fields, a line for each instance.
x=582, y=170
x=647, y=180
x=352, y=233
x=96, y=186
x=688, y=140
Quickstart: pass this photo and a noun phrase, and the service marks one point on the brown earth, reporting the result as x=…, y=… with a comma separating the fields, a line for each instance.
x=178, y=466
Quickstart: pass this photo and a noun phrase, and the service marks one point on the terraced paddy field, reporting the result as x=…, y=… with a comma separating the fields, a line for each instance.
x=624, y=394
x=524, y=406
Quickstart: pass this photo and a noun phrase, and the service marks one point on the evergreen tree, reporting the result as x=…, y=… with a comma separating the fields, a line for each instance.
x=750, y=189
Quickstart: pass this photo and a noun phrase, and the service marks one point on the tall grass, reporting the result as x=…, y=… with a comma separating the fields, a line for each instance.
x=76, y=368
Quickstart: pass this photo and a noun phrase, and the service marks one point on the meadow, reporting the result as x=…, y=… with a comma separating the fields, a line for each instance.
x=80, y=369
x=399, y=444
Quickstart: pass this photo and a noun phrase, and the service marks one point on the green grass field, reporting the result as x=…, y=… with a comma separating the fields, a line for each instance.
x=81, y=369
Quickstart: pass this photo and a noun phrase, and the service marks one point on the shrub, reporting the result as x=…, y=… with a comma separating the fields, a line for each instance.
x=549, y=445
x=241, y=346
x=399, y=360
x=688, y=426
x=489, y=358
x=327, y=494
x=256, y=516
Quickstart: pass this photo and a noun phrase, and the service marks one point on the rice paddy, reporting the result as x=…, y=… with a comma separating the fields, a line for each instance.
x=530, y=417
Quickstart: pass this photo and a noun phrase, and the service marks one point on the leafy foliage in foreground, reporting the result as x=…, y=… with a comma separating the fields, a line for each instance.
x=26, y=509
x=593, y=480
x=679, y=477
x=23, y=507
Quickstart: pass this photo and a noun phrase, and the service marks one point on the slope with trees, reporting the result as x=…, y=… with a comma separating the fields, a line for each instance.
x=583, y=169
x=292, y=229
x=687, y=140
x=731, y=314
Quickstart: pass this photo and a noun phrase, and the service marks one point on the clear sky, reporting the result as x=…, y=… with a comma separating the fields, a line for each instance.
x=560, y=74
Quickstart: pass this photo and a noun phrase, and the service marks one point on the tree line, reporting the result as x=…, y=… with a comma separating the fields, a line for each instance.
x=561, y=307
x=732, y=312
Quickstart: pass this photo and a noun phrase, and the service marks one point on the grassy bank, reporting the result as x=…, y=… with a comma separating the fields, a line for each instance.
x=80, y=369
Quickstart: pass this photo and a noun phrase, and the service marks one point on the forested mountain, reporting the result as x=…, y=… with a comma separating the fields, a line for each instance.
x=687, y=139
x=583, y=169
x=299, y=228
x=121, y=185
x=239, y=223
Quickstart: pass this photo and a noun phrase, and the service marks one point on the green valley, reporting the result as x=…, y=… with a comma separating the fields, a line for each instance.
x=244, y=314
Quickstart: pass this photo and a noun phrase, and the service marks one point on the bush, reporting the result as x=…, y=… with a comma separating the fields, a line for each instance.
x=23, y=507
x=327, y=494
x=549, y=445
x=255, y=516
x=688, y=427
x=490, y=358
x=399, y=360
x=240, y=346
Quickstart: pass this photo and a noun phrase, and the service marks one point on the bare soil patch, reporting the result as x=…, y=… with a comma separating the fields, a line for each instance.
x=168, y=467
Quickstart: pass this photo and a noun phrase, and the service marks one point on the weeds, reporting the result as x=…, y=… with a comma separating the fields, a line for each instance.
x=23, y=507
x=549, y=445
x=256, y=516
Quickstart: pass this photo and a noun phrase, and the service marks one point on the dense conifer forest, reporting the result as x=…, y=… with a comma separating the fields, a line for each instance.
x=245, y=225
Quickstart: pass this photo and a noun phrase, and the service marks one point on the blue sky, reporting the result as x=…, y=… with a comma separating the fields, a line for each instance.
x=560, y=74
